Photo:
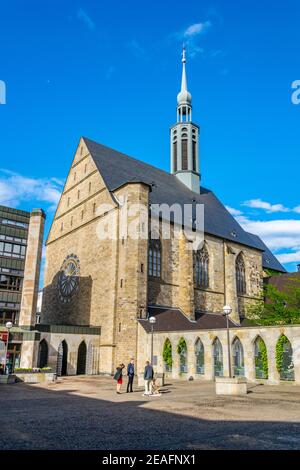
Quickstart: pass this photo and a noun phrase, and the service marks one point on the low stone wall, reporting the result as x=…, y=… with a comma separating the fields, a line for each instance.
x=247, y=337
x=38, y=377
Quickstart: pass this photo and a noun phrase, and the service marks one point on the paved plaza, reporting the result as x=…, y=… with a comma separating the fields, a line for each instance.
x=85, y=413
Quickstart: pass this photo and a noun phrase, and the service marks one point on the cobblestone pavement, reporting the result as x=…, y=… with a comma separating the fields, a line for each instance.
x=86, y=413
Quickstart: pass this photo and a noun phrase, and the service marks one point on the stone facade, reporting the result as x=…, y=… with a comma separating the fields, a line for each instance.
x=114, y=288
x=32, y=268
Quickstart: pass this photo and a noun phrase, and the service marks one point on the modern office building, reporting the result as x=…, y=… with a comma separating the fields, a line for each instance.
x=21, y=238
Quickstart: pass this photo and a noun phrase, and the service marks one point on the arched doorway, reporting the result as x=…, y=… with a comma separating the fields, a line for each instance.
x=238, y=358
x=199, y=356
x=62, y=359
x=218, y=358
x=284, y=359
x=261, y=359
x=81, y=359
x=43, y=354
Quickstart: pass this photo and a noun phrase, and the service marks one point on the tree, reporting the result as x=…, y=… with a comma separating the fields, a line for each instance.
x=278, y=307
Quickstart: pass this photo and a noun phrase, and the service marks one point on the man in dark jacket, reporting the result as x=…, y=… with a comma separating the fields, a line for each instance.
x=148, y=377
x=130, y=374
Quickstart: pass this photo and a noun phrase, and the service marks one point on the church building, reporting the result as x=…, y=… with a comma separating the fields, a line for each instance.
x=105, y=276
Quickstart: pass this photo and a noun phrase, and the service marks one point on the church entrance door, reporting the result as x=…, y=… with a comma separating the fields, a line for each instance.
x=81, y=359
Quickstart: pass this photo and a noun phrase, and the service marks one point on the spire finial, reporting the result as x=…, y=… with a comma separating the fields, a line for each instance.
x=183, y=80
x=183, y=54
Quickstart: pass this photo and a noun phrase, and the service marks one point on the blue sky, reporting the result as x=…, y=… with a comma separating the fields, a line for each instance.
x=111, y=72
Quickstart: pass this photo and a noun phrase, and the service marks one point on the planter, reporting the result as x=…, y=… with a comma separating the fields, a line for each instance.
x=231, y=386
x=35, y=377
x=7, y=379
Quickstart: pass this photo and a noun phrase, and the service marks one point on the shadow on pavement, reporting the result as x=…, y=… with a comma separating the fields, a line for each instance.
x=40, y=418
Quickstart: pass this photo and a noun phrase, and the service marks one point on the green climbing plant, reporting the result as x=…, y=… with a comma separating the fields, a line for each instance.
x=167, y=353
x=264, y=358
x=181, y=347
x=279, y=351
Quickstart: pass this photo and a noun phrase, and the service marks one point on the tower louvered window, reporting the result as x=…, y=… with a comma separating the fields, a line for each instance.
x=184, y=154
x=175, y=156
x=194, y=155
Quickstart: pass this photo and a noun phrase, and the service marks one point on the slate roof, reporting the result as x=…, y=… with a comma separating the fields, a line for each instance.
x=172, y=319
x=117, y=169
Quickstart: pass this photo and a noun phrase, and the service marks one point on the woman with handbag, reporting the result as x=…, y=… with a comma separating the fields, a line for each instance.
x=119, y=377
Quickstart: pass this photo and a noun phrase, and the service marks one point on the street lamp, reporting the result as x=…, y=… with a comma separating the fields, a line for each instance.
x=226, y=312
x=152, y=321
x=8, y=326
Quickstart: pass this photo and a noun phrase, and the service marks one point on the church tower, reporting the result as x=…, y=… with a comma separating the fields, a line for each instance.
x=184, y=139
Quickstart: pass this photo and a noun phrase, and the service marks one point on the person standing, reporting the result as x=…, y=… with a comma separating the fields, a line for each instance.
x=148, y=377
x=130, y=375
x=119, y=377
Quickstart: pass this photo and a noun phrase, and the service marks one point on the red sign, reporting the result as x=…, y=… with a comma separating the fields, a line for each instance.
x=3, y=336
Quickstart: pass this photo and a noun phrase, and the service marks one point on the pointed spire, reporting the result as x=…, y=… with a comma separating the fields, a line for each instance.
x=183, y=80
x=184, y=97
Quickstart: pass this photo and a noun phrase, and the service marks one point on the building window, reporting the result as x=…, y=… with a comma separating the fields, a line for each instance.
x=261, y=359
x=78, y=194
x=94, y=208
x=240, y=274
x=218, y=358
x=175, y=156
x=167, y=356
x=284, y=357
x=68, y=201
x=184, y=154
x=85, y=168
x=182, y=351
x=154, y=258
x=194, y=146
x=12, y=251
x=238, y=358
x=199, y=356
x=10, y=282
x=90, y=186
x=201, y=268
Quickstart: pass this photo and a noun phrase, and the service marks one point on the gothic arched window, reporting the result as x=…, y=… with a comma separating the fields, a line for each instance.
x=240, y=275
x=201, y=264
x=154, y=261
x=238, y=357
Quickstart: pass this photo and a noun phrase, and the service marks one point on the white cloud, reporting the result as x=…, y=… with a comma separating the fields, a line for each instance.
x=277, y=234
x=196, y=28
x=16, y=188
x=190, y=35
x=234, y=212
x=137, y=49
x=85, y=18
x=289, y=257
x=267, y=206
